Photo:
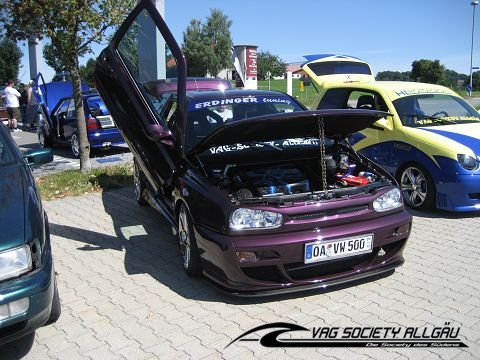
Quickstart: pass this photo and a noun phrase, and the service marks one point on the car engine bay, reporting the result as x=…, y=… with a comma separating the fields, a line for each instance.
x=244, y=180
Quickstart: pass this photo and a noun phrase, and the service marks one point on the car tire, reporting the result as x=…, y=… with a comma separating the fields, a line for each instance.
x=75, y=144
x=56, y=310
x=188, y=244
x=44, y=140
x=138, y=184
x=417, y=187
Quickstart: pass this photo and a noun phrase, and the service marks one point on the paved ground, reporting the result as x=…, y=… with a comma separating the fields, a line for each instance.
x=125, y=296
x=63, y=158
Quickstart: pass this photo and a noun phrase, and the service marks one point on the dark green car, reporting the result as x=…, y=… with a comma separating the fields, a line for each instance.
x=28, y=288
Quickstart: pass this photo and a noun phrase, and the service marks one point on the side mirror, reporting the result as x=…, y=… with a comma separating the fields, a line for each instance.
x=159, y=133
x=382, y=124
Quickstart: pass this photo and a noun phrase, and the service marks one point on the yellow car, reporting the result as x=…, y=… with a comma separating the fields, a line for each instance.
x=430, y=142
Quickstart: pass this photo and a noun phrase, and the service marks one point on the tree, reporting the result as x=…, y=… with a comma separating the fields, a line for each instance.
x=207, y=47
x=393, y=76
x=268, y=63
x=52, y=59
x=428, y=71
x=87, y=70
x=10, y=58
x=196, y=51
x=72, y=27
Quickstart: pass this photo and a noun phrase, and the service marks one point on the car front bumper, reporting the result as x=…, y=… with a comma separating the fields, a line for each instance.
x=461, y=195
x=38, y=287
x=281, y=268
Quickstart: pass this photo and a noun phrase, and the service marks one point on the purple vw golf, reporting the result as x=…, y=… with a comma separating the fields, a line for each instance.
x=264, y=196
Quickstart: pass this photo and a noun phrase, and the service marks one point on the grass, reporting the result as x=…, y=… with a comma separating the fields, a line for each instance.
x=306, y=96
x=74, y=183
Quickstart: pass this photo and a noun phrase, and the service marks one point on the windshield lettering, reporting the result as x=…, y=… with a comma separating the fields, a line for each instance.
x=277, y=101
x=401, y=93
x=207, y=104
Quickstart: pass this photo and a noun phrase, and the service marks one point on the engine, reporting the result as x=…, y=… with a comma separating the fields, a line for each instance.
x=286, y=178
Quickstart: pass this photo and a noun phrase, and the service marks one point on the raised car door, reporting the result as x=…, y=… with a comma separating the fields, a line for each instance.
x=130, y=75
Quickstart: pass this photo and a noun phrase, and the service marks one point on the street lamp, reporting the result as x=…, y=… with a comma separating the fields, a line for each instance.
x=473, y=3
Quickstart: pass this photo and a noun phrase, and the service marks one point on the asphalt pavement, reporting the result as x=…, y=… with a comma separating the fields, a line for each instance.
x=125, y=295
x=63, y=157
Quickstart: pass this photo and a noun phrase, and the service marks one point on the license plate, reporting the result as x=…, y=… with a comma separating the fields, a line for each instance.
x=329, y=250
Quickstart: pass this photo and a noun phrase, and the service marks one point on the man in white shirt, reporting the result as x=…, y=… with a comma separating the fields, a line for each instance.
x=32, y=107
x=10, y=97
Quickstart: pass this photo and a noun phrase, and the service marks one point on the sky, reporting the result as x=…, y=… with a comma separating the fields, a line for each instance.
x=389, y=35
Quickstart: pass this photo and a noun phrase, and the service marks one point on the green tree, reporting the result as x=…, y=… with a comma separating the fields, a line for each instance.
x=10, y=58
x=87, y=70
x=475, y=81
x=52, y=59
x=268, y=63
x=393, y=76
x=428, y=71
x=207, y=47
x=72, y=26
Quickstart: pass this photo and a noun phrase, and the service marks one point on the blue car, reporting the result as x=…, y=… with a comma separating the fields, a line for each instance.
x=58, y=125
x=29, y=295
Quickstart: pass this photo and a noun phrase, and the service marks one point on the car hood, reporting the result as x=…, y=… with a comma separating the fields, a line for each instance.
x=459, y=137
x=338, y=124
x=12, y=207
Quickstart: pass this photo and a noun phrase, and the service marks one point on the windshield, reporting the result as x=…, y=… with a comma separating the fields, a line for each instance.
x=434, y=110
x=96, y=107
x=340, y=67
x=205, y=115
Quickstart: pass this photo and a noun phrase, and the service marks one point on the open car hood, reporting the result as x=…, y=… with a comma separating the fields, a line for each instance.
x=338, y=124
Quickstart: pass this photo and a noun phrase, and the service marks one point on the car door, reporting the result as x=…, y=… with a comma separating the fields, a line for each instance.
x=142, y=54
x=69, y=122
x=60, y=118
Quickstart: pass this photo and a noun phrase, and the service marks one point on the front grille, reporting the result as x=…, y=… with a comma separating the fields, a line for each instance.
x=8, y=330
x=332, y=212
x=301, y=271
x=442, y=200
x=263, y=273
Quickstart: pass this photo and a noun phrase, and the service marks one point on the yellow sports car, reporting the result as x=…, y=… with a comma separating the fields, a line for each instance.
x=430, y=143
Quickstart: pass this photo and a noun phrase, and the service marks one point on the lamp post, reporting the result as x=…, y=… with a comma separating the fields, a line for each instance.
x=473, y=3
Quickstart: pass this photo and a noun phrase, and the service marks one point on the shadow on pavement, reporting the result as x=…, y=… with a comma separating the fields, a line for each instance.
x=147, y=242
x=150, y=248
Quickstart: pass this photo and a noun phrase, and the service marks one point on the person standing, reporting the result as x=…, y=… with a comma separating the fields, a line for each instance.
x=23, y=103
x=11, y=97
x=32, y=109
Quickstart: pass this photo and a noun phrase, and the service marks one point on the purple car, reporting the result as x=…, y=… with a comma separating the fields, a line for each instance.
x=264, y=196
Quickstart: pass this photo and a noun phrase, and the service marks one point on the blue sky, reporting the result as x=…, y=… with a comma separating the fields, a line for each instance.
x=389, y=35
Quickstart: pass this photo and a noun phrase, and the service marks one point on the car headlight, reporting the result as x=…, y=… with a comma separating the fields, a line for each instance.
x=468, y=162
x=390, y=200
x=244, y=219
x=15, y=262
